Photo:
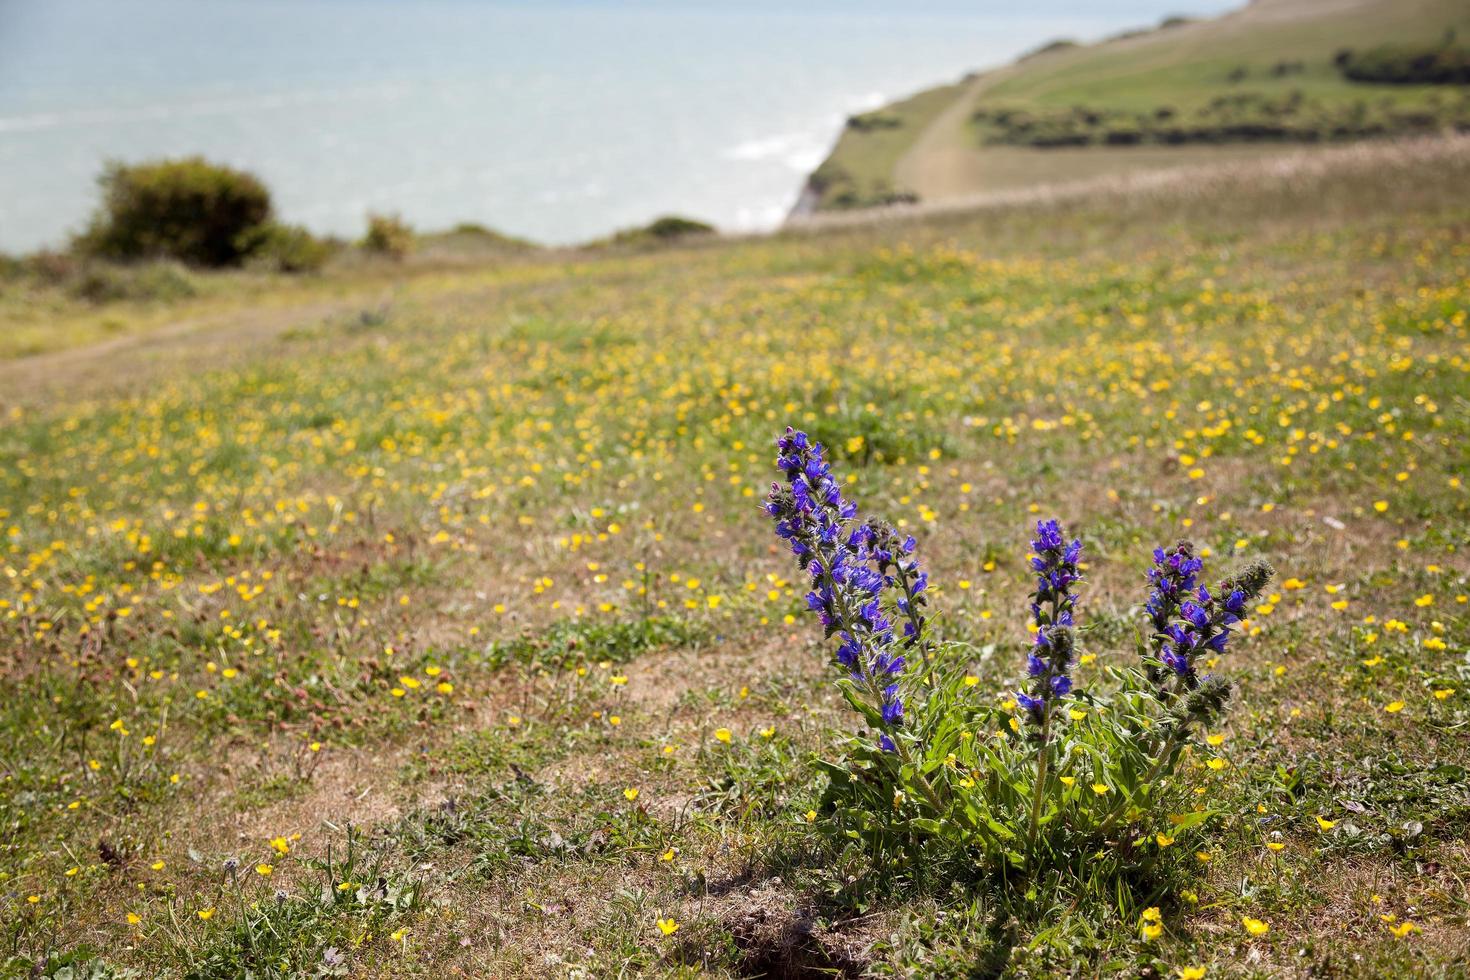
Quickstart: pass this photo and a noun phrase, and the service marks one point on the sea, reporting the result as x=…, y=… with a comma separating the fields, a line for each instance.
x=555, y=120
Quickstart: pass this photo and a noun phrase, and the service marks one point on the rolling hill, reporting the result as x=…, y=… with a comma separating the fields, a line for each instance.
x=1238, y=86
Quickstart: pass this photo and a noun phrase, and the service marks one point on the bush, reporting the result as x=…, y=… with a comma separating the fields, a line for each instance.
x=1407, y=65
x=388, y=235
x=1232, y=118
x=285, y=248
x=190, y=210
x=867, y=122
x=674, y=226
x=1050, y=47
x=668, y=229
x=1054, y=776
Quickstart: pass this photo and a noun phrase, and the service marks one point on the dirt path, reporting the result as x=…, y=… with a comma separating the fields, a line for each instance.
x=204, y=340
x=940, y=164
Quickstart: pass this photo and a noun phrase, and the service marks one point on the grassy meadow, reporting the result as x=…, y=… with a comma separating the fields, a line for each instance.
x=427, y=625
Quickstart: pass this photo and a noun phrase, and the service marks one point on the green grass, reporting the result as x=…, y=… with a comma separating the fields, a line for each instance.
x=472, y=576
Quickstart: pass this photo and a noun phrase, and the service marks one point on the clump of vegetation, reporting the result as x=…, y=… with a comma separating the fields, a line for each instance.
x=278, y=247
x=388, y=235
x=1241, y=117
x=839, y=190
x=1392, y=64
x=1049, y=776
x=470, y=231
x=310, y=930
x=191, y=210
x=877, y=119
x=101, y=282
x=471, y=242
x=95, y=281
x=667, y=229
x=674, y=226
x=1050, y=47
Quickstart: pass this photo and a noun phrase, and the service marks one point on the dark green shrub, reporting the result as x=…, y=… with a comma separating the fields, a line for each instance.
x=1050, y=47
x=1235, y=117
x=190, y=210
x=388, y=235
x=1407, y=65
x=870, y=121
x=668, y=229
x=673, y=226
x=285, y=248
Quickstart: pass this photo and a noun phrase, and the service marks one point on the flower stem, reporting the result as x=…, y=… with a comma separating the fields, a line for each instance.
x=1148, y=777
x=1043, y=760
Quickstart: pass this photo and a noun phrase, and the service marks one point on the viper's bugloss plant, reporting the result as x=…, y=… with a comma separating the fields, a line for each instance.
x=1047, y=775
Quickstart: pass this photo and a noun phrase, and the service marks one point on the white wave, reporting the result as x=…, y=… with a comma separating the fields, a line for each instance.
x=799, y=152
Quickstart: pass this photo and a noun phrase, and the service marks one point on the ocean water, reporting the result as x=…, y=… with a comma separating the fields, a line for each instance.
x=557, y=120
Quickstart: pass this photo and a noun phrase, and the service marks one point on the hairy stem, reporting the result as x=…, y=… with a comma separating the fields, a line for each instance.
x=1043, y=759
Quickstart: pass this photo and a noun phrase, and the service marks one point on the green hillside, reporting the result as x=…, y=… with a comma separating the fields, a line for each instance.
x=1275, y=72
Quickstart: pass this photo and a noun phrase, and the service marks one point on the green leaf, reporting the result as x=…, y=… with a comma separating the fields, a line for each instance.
x=1000, y=829
x=855, y=700
x=1189, y=820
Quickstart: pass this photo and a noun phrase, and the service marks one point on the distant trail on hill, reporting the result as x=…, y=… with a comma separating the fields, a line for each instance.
x=938, y=165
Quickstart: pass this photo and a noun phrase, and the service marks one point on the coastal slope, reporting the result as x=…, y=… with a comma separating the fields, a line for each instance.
x=1244, y=85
